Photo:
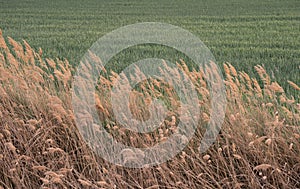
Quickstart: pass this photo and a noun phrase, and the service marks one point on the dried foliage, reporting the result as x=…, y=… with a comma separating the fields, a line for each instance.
x=40, y=146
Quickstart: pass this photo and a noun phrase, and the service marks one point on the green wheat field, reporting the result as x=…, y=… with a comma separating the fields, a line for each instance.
x=244, y=33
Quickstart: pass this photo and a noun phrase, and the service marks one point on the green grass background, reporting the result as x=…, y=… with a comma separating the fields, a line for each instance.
x=244, y=33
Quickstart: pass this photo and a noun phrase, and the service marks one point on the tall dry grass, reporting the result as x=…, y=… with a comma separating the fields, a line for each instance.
x=40, y=146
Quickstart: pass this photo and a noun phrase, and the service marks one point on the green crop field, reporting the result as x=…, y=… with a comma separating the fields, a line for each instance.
x=244, y=33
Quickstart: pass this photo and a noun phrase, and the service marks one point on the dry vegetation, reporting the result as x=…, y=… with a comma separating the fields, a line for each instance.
x=40, y=147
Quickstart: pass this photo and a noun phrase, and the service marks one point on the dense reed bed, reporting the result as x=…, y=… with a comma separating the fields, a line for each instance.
x=40, y=146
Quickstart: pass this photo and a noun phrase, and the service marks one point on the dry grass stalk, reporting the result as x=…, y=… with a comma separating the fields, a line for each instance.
x=262, y=167
x=294, y=85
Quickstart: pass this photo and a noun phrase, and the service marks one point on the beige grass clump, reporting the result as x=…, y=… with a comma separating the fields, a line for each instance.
x=40, y=147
